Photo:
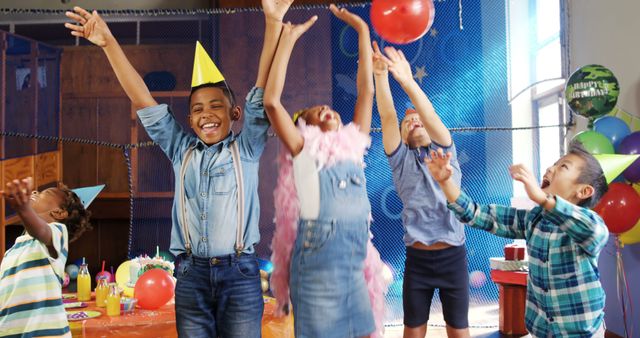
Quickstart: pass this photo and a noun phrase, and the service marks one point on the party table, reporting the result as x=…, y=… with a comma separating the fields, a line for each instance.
x=162, y=323
x=512, y=296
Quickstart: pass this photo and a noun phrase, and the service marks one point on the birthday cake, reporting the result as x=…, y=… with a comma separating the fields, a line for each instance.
x=142, y=264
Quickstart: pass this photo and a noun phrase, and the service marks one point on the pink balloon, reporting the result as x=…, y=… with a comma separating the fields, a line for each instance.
x=104, y=275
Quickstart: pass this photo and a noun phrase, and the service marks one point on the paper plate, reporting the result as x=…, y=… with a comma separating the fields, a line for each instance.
x=75, y=305
x=82, y=315
x=69, y=296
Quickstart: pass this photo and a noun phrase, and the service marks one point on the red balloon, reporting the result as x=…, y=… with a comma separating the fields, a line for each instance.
x=402, y=21
x=619, y=208
x=153, y=289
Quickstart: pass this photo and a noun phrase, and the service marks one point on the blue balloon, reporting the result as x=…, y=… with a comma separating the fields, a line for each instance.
x=265, y=265
x=613, y=128
x=72, y=271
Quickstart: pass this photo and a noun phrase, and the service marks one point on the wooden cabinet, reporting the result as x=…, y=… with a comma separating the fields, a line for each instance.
x=29, y=105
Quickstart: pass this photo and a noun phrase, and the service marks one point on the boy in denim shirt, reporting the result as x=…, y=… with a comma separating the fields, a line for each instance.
x=218, y=290
x=564, y=239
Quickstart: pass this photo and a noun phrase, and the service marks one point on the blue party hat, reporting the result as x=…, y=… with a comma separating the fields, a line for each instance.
x=88, y=194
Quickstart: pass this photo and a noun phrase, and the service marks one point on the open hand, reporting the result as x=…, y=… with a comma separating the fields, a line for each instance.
x=398, y=65
x=275, y=9
x=18, y=193
x=294, y=31
x=89, y=26
x=522, y=174
x=349, y=18
x=439, y=165
x=380, y=62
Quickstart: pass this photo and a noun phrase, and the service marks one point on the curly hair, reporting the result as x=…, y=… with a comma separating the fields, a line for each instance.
x=77, y=220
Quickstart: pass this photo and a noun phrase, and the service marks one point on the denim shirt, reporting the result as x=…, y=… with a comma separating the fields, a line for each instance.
x=425, y=216
x=210, y=182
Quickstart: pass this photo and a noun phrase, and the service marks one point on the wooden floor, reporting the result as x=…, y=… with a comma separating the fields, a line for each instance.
x=441, y=332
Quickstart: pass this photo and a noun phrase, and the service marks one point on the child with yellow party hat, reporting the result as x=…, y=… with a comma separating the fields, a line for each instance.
x=216, y=208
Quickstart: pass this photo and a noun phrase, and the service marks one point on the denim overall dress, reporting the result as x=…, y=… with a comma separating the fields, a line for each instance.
x=327, y=285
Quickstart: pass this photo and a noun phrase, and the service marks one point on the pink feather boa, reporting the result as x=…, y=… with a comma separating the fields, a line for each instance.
x=328, y=148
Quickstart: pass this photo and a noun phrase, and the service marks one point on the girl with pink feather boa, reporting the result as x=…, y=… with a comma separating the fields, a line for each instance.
x=323, y=257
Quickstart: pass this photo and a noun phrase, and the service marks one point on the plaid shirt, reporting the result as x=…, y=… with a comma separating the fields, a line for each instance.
x=564, y=295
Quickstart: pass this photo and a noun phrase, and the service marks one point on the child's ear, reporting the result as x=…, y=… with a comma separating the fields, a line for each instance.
x=585, y=191
x=59, y=214
x=236, y=112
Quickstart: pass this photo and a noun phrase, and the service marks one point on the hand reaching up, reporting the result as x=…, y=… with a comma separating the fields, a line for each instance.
x=294, y=31
x=275, y=9
x=398, y=65
x=380, y=62
x=89, y=26
x=18, y=193
x=522, y=174
x=349, y=18
x=439, y=165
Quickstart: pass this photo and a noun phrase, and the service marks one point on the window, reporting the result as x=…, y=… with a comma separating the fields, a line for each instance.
x=536, y=83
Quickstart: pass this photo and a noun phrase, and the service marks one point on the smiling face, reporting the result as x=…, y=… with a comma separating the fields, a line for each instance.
x=412, y=130
x=322, y=116
x=563, y=179
x=211, y=114
x=46, y=201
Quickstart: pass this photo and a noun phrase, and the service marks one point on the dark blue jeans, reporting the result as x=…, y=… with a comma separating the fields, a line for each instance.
x=219, y=297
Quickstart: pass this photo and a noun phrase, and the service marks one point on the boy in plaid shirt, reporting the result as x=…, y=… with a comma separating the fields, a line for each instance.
x=564, y=239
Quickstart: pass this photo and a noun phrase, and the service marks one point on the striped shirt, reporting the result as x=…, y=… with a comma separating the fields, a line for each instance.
x=30, y=287
x=564, y=295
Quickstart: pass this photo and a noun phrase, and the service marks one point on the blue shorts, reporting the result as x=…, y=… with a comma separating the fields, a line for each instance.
x=428, y=270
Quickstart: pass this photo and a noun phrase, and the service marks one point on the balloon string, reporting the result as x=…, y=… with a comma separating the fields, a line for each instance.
x=626, y=284
x=622, y=285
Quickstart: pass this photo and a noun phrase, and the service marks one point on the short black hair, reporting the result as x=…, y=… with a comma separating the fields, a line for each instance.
x=591, y=174
x=222, y=85
x=77, y=220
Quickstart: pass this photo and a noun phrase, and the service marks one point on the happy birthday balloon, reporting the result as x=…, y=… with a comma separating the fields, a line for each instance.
x=592, y=91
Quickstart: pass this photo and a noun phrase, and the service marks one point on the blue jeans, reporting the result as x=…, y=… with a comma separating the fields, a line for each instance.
x=219, y=297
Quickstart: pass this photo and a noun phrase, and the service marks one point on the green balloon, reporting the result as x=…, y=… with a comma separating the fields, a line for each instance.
x=592, y=91
x=594, y=142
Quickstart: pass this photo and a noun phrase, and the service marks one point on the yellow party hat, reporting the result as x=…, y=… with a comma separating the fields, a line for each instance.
x=614, y=164
x=204, y=70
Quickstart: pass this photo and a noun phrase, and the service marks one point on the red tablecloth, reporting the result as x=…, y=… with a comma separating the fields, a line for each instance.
x=162, y=323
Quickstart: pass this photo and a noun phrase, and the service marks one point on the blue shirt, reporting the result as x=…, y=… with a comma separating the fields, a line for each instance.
x=425, y=215
x=564, y=295
x=210, y=182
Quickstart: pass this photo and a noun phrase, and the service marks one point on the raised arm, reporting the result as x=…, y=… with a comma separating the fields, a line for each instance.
x=274, y=11
x=499, y=220
x=388, y=116
x=364, y=81
x=401, y=71
x=93, y=28
x=583, y=226
x=18, y=194
x=280, y=120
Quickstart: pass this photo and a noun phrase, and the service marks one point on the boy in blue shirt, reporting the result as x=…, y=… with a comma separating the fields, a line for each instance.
x=216, y=208
x=564, y=239
x=436, y=254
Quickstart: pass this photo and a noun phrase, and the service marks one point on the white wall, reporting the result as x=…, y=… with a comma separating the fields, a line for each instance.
x=606, y=33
